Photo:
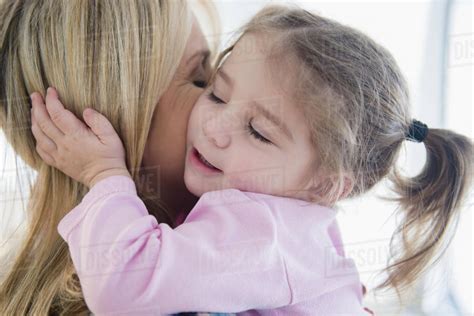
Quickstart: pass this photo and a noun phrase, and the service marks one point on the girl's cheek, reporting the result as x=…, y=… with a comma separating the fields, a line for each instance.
x=237, y=182
x=243, y=178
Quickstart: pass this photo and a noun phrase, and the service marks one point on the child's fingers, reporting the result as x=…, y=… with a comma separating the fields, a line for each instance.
x=99, y=124
x=41, y=139
x=45, y=156
x=41, y=117
x=64, y=119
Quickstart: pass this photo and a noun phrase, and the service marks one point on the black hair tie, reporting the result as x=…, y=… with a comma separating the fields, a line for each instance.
x=416, y=132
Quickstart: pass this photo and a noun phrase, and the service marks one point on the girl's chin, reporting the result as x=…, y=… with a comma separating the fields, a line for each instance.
x=192, y=187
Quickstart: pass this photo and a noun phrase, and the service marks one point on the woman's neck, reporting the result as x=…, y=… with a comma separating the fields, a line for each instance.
x=179, y=203
x=166, y=198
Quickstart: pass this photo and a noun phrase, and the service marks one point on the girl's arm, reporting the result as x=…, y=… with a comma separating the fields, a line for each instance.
x=222, y=258
x=232, y=254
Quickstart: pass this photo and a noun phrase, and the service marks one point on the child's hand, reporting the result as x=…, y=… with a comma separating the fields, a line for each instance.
x=85, y=153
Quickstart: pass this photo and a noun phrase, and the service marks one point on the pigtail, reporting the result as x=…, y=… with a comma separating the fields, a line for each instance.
x=430, y=204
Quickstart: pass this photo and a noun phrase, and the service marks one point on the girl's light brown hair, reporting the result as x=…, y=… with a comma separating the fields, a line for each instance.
x=116, y=56
x=356, y=103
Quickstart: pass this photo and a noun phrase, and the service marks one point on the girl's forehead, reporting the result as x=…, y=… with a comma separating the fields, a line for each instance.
x=259, y=63
x=263, y=55
x=255, y=45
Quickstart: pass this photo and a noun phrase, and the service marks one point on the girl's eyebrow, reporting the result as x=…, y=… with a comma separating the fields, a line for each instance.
x=274, y=119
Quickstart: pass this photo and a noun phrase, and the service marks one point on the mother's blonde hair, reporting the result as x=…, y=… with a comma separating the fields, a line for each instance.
x=115, y=56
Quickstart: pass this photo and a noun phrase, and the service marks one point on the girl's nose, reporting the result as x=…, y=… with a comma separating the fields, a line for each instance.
x=217, y=133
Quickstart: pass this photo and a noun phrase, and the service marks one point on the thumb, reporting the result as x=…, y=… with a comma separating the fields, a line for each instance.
x=99, y=124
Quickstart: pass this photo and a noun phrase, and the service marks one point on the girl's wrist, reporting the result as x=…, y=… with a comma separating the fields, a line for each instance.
x=109, y=173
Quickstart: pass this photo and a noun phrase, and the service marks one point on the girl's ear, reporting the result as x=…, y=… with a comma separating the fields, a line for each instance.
x=346, y=188
x=328, y=190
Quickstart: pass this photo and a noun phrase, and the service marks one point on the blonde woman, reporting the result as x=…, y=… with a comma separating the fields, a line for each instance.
x=143, y=64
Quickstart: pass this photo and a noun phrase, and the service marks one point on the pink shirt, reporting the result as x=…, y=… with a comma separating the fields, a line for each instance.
x=236, y=252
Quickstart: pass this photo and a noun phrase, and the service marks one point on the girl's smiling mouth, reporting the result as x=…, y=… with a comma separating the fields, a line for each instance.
x=199, y=162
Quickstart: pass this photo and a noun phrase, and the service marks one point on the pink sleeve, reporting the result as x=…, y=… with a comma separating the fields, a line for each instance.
x=223, y=258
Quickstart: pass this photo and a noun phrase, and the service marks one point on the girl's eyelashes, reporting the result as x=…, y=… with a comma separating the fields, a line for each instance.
x=256, y=134
x=214, y=98
x=250, y=128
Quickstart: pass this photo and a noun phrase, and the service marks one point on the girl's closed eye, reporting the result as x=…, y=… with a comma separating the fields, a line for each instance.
x=254, y=133
x=214, y=98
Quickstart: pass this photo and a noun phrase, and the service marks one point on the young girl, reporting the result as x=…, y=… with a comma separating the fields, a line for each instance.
x=301, y=113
